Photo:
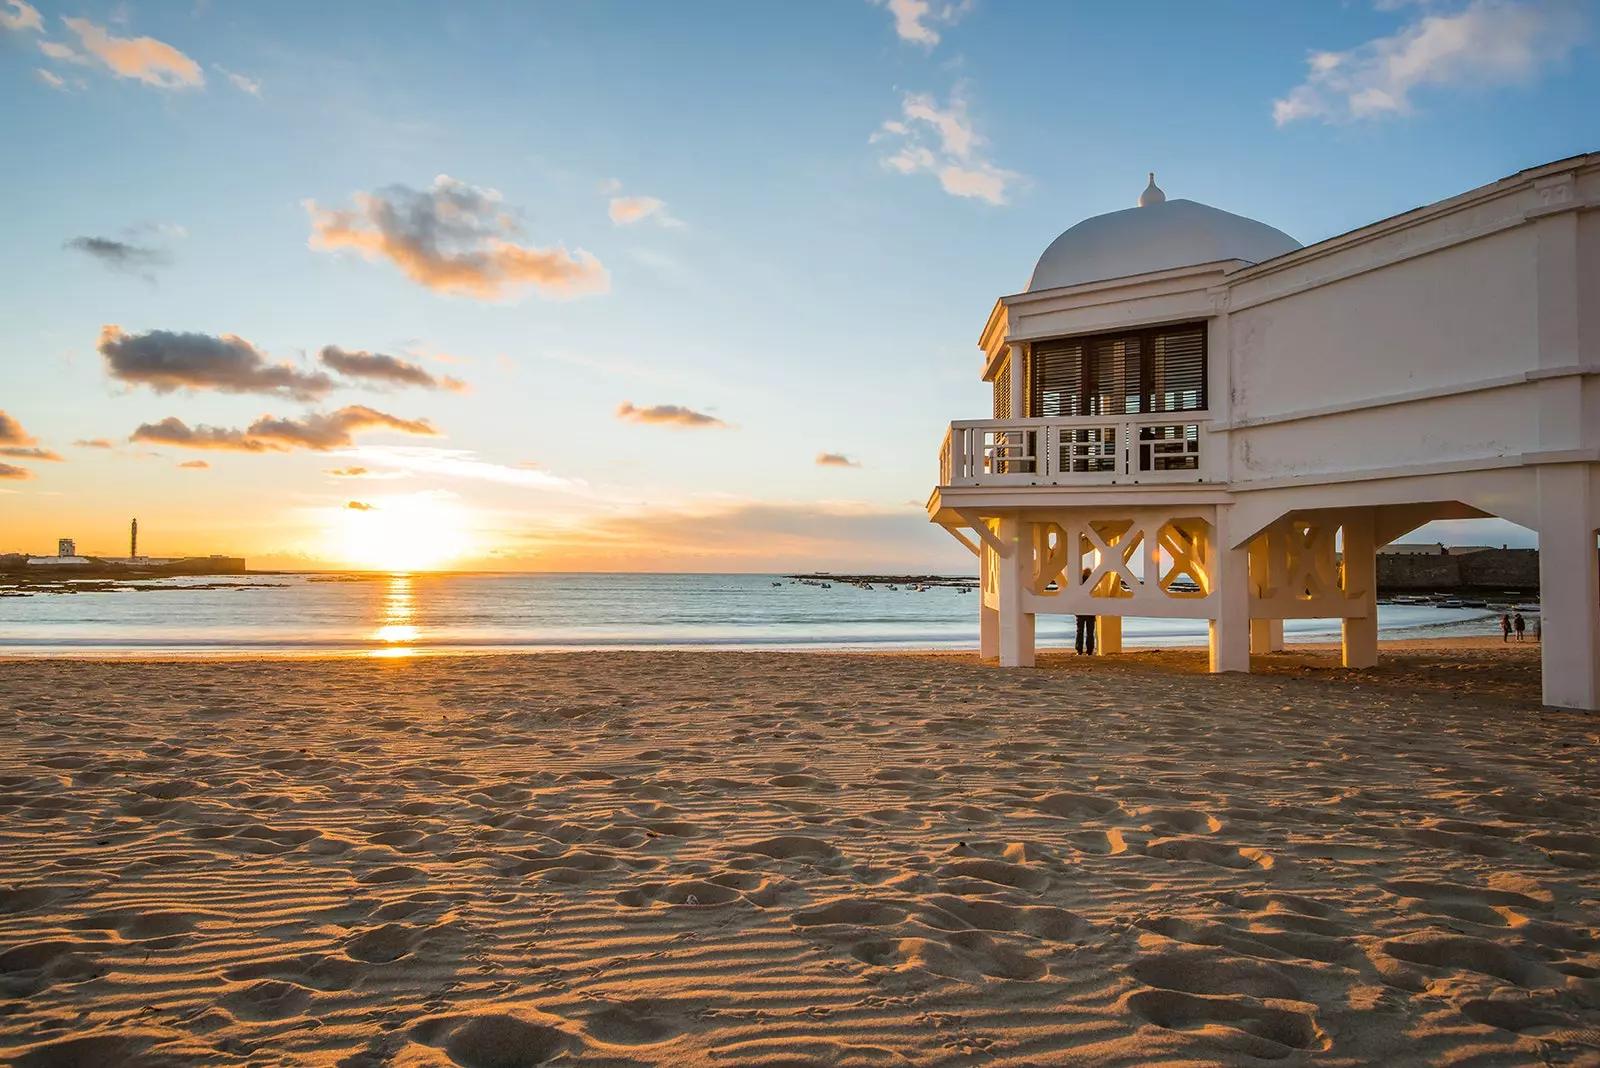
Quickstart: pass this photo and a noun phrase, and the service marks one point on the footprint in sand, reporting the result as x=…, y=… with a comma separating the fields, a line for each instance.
x=857, y=912
x=495, y=1040
x=1270, y=945
x=966, y=956
x=947, y=912
x=380, y=945
x=1580, y=852
x=1177, y=821
x=269, y=999
x=29, y=968
x=789, y=847
x=689, y=893
x=1473, y=904
x=1233, y=1023
x=1515, y=1016
x=1475, y=844
x=137, y=925
x=641, y=1022
x=1101, y=843
x=1222, y=856
x=15, y=899
x=91, y=1051
x=1071, y=805
x=1200, y=971
x=573, y=867
x=314, y=970
x=998, y=872
x=395, y=873
x=1465, y=953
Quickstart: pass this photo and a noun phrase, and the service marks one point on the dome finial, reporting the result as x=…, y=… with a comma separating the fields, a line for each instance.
x=1152, y=193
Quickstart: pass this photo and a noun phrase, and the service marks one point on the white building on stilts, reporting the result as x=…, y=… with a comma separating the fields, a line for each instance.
x=1196, y=417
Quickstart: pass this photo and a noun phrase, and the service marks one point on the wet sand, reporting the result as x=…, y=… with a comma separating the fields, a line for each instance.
x=792, y=859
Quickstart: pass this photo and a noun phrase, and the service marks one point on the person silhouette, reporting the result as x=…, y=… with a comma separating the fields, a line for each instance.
x=1085, y=640
x=1521, y=625
x=1505, y=628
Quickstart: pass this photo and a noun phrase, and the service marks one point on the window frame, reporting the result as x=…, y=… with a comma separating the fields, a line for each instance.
x=1038, y=362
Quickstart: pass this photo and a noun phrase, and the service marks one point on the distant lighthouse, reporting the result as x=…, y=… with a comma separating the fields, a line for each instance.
x=133, y=541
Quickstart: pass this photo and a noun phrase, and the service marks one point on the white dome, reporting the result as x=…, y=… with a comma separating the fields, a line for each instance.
x=1157, y=237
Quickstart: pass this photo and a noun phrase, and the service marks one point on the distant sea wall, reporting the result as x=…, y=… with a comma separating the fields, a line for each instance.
x=1486, y=569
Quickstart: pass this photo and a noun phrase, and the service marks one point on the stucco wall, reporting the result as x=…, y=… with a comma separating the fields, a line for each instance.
x=1462, y=314
x=1471, y=426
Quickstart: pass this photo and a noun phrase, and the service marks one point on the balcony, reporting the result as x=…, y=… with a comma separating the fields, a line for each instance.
x=1163, y=448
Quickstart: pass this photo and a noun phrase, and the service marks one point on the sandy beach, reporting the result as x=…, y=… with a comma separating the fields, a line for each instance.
x=661, y=858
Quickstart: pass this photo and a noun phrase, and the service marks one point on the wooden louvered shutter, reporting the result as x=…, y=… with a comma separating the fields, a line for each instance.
x=1002, y=392
x=1058, y=379
x=1177, y=370
x=1113, y=387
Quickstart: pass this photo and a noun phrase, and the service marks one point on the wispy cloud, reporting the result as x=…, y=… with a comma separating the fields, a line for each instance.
x=318, y=431
x=360, y=506
x=16, y=17
x=53, y=80
x=167, y=361
x=121, y=255
x=1487, y=43
x=836, y=459
x=17, y=444
x=194, y=465
x=455, y=239
x=450, y=463
x=384, y=369
x=942, y=141
x=30, y=452
x=143, y=59
x=239, y=81
x=667, y=414
x=913, y=18
x=14, y=473
x=625, y=211
x=95, y=443
x=608, y=186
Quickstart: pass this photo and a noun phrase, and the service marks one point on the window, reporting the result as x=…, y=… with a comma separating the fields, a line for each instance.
x=1157, y=370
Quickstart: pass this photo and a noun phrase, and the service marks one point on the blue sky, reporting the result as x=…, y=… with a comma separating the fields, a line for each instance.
x=794, y=219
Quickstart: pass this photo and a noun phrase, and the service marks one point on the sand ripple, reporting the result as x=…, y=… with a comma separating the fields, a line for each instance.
x=765, y=859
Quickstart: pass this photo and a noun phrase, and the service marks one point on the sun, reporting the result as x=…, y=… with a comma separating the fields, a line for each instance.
x=406, y=533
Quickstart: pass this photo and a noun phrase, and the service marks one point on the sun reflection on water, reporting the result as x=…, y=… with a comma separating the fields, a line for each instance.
x=397, y=627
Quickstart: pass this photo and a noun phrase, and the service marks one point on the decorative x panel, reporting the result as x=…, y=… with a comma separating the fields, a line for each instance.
x=1184, y=541
x=1115, y=543
x=1313, y=565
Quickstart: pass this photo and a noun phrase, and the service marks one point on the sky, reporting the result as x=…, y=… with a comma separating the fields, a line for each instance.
x=640, y=286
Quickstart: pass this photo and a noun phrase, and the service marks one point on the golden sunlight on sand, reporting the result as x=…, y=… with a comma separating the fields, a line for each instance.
x=663, y=858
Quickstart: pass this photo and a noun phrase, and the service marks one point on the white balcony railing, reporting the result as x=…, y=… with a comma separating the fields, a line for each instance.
x=1080, y=451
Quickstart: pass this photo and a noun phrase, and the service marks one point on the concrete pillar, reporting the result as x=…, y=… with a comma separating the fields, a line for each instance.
x=1107, y=635
x=1569, y=594
x=1229, y=571
x=1262, y=635
x=1267, y=566
x=1016, y=573
x=1360, y=634
x=988, y=615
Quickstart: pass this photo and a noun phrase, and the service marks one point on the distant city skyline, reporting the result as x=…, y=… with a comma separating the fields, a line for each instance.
x=635, y=287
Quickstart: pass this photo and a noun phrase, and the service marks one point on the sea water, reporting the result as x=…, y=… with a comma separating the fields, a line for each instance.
x=435, y=613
